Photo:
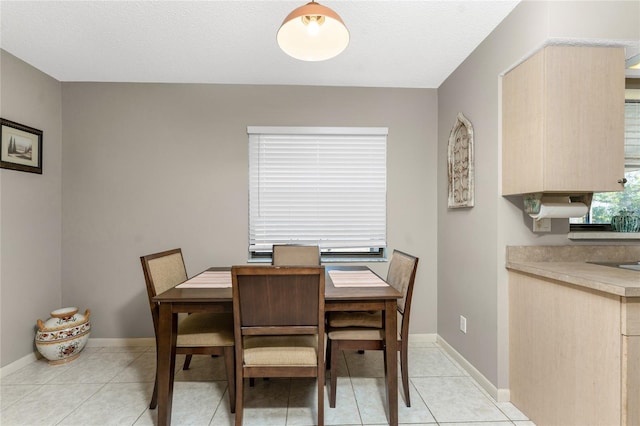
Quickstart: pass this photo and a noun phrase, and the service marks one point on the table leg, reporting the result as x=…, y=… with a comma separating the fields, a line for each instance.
x=391, y=359
x=166, y=359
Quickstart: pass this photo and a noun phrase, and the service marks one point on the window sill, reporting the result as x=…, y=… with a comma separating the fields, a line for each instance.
x=597, y=235
x=327, y=260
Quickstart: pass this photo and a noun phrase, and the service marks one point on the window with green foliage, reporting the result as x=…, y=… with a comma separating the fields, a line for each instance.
x=608, y=204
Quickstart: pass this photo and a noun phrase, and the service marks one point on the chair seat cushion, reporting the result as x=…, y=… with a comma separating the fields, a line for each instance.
x=356, y=319
x=280, y=350
x=356, y=333
x=206, y=330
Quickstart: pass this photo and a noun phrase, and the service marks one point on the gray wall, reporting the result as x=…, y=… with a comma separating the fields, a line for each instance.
x=476, y=238
x=148, y=167
x=30, y=211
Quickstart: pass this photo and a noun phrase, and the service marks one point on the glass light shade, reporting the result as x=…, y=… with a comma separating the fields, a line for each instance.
x=330, y=40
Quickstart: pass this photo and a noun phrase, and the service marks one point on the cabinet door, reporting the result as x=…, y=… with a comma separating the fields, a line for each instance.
x=563, y=121
x=564, y=352
x=522, y=127
x=584, y=140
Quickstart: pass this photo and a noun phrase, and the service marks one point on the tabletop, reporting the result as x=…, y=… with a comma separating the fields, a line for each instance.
x=332, y=293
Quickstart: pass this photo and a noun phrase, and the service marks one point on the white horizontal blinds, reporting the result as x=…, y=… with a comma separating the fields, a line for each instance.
x=632, y=135
x=317, y=186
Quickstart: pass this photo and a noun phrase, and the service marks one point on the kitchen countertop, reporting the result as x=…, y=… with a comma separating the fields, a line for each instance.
x=618, y=281
x=569, y=264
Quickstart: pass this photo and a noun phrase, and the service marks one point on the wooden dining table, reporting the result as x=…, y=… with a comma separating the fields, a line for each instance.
x=344, y=297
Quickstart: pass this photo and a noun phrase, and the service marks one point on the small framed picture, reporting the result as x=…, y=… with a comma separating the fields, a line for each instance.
x=20, y=147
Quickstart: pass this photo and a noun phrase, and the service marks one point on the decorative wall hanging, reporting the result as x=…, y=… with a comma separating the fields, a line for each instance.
x=20, y=147
x=460, y=159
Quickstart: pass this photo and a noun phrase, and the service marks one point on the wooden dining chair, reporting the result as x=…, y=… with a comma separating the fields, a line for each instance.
x=364, y=330
x=278, y=316
x=198, y=333
x=295, y=255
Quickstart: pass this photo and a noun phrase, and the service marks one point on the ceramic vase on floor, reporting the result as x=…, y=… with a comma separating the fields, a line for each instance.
x=62, y=337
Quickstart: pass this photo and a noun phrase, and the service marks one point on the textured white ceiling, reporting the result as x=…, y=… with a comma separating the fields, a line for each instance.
x=394, y=43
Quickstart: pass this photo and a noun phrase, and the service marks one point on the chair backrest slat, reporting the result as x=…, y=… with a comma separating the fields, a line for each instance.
x=278, y=297
x=268, y=331
x=295, y=255
x=266, y=300
x=167, y=272
x=162, y=271
x=401, y=275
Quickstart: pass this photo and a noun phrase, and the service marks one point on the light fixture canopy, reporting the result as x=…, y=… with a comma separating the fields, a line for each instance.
x=313, y=33
x=633, y=62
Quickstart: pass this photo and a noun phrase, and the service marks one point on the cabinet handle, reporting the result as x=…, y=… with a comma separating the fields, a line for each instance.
x=622, y=181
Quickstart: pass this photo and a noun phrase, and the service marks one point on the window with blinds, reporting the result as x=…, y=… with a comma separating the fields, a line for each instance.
x=318, y=185
x=632, y=134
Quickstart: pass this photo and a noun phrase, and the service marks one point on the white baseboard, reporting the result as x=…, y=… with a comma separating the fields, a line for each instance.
x=416, y=339
x=500, y=395
x=119, y=342
x=18, y=364
x=28, y=359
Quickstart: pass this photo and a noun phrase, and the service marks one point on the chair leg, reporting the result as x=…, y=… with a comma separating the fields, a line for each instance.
x=404, y=368
x=154, y=396
x=187, y=362
x=327, y=362
x=239, y=396
x=252, y=381
x=334, y=375
x=230, y=366
x=321, y=380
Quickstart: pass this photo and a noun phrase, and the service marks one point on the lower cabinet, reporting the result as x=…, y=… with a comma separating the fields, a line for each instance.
x=574, y=353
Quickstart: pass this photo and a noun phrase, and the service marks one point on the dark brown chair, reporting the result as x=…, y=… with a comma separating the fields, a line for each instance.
x=198, y=333
x=279, y=325
x=295, y=255
x=363, y=330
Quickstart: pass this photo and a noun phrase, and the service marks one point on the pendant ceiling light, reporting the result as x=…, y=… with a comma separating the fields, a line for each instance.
x=313, y=33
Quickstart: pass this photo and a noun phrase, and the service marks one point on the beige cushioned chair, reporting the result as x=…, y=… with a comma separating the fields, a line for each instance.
x=278, y=315
x=363, y=330
x=295, y=255
x=198, y=333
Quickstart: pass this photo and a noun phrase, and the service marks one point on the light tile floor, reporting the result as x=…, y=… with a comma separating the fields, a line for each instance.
x=113, y=385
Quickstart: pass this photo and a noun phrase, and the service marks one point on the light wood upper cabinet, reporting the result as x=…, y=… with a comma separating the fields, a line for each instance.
x=563, y=122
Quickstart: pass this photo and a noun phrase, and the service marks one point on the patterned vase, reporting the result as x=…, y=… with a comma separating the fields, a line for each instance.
x=61, y=338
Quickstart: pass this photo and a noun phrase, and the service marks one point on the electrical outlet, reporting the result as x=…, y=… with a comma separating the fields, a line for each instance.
x=463, y=324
